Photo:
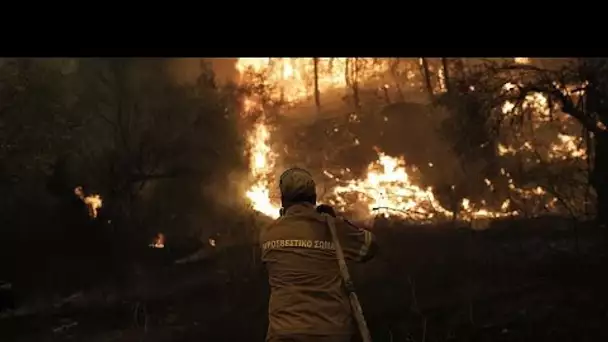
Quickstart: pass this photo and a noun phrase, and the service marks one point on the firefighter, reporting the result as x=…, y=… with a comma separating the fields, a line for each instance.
x=308, y=301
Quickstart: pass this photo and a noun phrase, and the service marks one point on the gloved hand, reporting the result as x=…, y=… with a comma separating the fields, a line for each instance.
x=326, y=209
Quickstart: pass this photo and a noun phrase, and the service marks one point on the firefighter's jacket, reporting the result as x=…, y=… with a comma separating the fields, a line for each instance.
x=307, y=295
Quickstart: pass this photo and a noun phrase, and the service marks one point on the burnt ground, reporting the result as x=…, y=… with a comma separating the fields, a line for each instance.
x=539, y=280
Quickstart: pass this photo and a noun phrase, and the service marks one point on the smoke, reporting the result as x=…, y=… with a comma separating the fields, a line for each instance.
x=187, y=70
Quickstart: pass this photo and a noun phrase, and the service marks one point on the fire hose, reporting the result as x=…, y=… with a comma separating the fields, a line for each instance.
x=348, y=284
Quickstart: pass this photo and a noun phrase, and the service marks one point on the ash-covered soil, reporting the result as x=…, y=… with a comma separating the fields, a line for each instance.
x=533, y=280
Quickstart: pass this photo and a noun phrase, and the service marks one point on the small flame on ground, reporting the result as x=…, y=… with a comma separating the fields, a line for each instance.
x=388, y=190
x=93, y=202
x=159, y=241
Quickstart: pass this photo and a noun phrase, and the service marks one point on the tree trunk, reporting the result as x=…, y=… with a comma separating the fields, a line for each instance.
x=427, y=76
x=396, y=79
x=458, y=65
x=387, y=97
x=317, y=94
x=594, y=103
x=355, y=82
x=599, y=179
x=347, y=72
x=446, y=74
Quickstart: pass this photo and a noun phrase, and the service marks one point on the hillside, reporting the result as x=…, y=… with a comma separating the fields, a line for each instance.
x=518, y=281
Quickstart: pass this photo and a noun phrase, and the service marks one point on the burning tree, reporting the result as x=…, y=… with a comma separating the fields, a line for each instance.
x=151, y=130
x=287, y=86
x=502, y=174
x=154, y=150
x=514, y=106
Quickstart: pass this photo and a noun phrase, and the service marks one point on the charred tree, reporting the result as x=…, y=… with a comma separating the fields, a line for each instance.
x=592, y=113
x=356, y=83
x=387, y=97
x=595, y=103
x=458, y=65
x=426, y=74
x=352, y=71
x=395, y=75
x=599, y=179
x=317, y=93
x=446, y=74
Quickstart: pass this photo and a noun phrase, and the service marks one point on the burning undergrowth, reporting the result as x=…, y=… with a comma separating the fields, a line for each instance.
x=334, y=148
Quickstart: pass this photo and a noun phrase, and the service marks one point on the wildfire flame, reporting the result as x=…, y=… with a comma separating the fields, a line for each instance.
x=93, y=202
x=565, y=146
x=159, y=241
x=292, y=79
x=262, y=161
x=387, y=187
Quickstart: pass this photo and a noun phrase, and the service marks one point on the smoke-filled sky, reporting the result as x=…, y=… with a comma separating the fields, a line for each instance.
x=188, y=69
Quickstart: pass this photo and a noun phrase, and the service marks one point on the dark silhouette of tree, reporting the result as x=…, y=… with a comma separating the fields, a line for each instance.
x=118, y=127
x=577, y=86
